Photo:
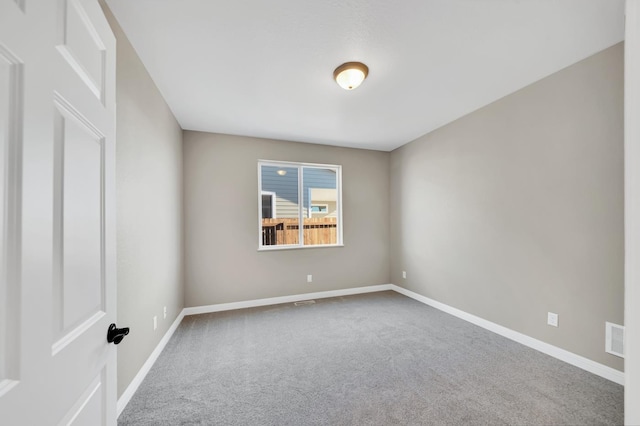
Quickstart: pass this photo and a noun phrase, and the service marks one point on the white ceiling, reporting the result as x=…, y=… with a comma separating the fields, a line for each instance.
x=265, y=68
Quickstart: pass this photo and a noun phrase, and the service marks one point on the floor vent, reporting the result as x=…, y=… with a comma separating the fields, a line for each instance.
x=614, y=339
x=305, y=302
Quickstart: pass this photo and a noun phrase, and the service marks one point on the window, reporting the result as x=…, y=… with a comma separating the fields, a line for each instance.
x=299, y=205
x=268, y=204
x=318, y=208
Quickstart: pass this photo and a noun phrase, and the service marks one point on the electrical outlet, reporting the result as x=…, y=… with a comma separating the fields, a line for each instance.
x=552, y=319
x=164, y=312
x=309, y=278
x=155, y=322
x=404, y=274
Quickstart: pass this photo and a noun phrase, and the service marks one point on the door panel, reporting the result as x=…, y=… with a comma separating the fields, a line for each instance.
x=89, y=408
x=57, y=213
x=79, y=248
x=81, y=45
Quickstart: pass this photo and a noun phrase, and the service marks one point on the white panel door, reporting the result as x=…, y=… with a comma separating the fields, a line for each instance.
x=57, y=213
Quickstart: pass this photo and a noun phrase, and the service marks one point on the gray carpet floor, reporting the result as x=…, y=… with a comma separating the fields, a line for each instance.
x=373, y=359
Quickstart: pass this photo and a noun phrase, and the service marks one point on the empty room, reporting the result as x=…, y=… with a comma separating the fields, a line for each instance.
x=292, y=213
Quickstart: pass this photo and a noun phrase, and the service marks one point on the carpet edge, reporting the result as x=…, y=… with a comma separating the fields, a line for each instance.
x=146, y=367
x=196, y=310
x=576, y=360
x=546, y=348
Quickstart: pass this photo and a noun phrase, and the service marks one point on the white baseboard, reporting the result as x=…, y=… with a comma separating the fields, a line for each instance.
x=554, y=351
x=284, y=299
x=137, y=380
x=144, y=370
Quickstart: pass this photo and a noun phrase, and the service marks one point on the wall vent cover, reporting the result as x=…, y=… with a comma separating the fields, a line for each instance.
x=614, y=339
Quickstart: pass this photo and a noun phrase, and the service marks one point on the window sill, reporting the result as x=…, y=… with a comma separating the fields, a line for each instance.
x=278, y=248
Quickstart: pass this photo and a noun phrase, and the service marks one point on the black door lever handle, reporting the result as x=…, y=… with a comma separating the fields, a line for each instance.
x=115, y=335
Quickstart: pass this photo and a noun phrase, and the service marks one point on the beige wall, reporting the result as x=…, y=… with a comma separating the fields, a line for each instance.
x=149, y=210
x=517, y=209
x=221, y=222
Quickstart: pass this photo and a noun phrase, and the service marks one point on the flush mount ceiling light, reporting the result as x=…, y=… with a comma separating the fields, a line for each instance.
x=350, y=75
x=282, y=172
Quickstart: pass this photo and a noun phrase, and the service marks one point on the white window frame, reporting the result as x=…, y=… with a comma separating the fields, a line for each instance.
x=301, y=212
